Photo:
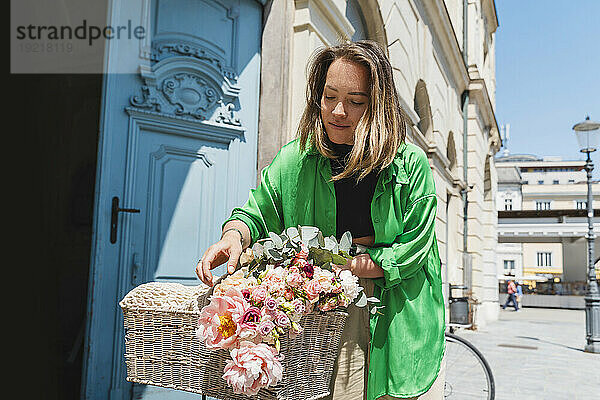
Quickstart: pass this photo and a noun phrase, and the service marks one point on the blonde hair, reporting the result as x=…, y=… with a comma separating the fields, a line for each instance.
x=382, y=127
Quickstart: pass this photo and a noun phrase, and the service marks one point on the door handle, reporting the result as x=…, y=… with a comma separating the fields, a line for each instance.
x=114, y=217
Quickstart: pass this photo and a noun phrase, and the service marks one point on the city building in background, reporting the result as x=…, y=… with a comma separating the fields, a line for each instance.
x=542, y=227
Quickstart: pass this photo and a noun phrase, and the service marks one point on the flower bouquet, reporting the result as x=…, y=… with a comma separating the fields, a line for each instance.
x=281, y=279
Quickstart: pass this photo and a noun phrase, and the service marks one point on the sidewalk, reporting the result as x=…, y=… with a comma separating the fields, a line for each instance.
x=537, y=353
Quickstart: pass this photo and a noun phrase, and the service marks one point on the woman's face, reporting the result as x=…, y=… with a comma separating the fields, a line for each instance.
x=345, y=99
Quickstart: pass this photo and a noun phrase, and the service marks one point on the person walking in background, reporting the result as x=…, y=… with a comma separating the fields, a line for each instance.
x=519, y=295
x=512, y=295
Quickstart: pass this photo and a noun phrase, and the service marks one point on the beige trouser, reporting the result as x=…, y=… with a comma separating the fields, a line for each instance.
x=349, y=380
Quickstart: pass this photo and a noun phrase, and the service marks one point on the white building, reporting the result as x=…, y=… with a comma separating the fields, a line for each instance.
x=542, y=219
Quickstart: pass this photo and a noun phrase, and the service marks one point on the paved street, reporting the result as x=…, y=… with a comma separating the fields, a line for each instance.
x=538, y=354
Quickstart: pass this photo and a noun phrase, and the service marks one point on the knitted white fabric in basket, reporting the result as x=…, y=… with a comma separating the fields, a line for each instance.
x=161, y=348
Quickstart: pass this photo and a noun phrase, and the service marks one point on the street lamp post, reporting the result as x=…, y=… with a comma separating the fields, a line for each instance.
x=588, y=133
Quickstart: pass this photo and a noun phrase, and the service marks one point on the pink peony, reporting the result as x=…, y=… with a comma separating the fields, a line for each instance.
x=218, y=323
x=252, y=367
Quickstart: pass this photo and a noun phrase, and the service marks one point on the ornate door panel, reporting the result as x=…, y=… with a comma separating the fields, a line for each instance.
x=177, y=151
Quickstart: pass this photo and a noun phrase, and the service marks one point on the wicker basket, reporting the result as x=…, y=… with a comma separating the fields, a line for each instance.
x=161, y=348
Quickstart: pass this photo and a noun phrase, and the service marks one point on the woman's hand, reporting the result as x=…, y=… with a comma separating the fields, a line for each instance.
x=362, y=266
x=228, y=249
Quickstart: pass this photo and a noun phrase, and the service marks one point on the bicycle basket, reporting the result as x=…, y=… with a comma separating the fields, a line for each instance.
x=161, y=348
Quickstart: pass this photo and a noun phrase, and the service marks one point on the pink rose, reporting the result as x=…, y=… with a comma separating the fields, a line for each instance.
x=282, y=320
x=271, y=304
x=252, y=367
x=265, y=327
x=299, y=307
x=259, y=294
x=295, y=279
x=293, y=270
x=312, y=288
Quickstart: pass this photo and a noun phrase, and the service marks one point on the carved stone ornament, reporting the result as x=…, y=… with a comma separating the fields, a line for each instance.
x=186, y=94
x=227, y=114
x=160, y=51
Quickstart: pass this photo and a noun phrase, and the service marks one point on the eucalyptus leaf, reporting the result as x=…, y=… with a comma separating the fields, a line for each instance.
x=309, y=232
x=274, y=253
x=362, y=300
x=293, y=234
x=375, y=308
x=267, y=245
x=321, y=239
x=330, y=244
x=346, y=241
x=314, y=242
x=277, y=242
x=373, y=300
x=257, y=250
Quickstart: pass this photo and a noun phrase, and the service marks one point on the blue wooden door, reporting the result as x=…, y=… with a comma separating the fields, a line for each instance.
x=177, y=152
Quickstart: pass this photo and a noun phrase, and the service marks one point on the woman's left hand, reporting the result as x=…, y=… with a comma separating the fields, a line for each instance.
x=362, y=266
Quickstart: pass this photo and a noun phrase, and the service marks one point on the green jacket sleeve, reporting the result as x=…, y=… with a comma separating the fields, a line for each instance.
x=410, y=250
x=263, y=210
x=409, y=253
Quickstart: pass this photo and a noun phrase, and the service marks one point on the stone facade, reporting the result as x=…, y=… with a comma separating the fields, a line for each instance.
x=425, y=40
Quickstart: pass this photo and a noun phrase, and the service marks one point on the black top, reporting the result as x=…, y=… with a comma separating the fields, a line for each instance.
x=353, y=201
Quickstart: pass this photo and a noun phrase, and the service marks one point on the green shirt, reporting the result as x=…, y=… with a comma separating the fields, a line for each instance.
x=407, y=335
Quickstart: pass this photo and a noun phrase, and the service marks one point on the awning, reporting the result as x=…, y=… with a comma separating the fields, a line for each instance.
x=534, y=278
x=524, y=278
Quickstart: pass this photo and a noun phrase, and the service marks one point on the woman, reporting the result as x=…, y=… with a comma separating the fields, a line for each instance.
x=350, y=169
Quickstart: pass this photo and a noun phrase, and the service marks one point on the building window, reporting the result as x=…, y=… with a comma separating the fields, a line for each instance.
x=555, y=182
x=571, y=180
x=525, y=182
x=509, y=266
x=544, y=259
x=581, y=205
x=540, y=182
x=542, y=205
x=507, y=204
